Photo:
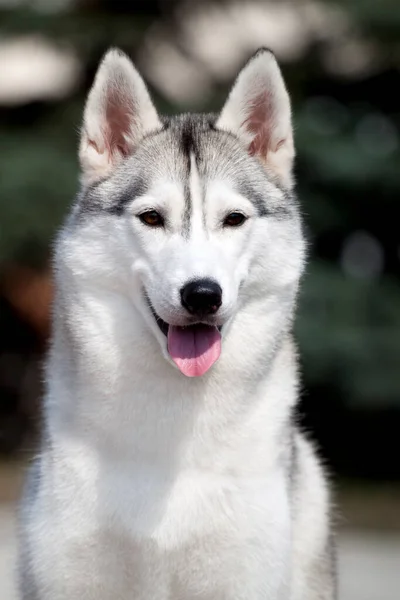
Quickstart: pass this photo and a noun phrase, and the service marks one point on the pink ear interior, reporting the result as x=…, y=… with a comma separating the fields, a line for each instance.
x=118, y=124
x=260, y=124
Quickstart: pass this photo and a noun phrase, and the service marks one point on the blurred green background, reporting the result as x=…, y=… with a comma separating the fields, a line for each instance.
x=341, y=62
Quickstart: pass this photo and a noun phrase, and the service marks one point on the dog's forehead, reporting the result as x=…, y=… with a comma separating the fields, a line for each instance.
x=187, y=142
x=192, y=141
x=190, y=136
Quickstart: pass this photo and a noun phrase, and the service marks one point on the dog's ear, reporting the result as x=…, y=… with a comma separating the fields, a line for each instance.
x=258, y=113
x=118, y=113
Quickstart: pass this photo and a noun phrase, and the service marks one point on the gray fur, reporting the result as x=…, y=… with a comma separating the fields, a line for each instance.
x=168, y=152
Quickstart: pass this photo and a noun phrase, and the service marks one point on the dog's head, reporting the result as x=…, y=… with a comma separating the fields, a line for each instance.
x=192, y=217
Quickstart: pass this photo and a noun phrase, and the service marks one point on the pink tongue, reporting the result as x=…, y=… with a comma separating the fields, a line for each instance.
x=194, y=349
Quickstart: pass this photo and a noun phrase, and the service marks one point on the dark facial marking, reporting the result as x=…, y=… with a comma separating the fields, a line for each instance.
x=93, y=200
x=260, y=201
x=188, y=142
x=89, y=201
x=189, y=131
x=189, y=147
x=136, y=189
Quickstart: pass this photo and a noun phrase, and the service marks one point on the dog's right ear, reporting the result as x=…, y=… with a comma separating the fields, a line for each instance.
x=118, y=113
x=258, y=113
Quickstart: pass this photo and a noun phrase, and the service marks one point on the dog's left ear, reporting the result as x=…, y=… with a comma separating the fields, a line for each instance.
x=258, y=113
x=118, y=114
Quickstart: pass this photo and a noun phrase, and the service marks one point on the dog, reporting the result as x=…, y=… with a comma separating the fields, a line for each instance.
x=172, y=467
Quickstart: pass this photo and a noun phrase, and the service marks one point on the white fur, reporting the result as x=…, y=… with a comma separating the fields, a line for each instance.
x=154, y=486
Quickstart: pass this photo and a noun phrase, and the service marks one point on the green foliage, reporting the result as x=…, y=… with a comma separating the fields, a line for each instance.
x=349, y=334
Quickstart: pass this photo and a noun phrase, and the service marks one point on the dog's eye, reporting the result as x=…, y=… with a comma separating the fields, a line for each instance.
x=152, y=218
x=234, y=219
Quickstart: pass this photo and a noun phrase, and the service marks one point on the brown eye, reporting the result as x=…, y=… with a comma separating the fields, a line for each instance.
x=152, y=218
x=234, y=219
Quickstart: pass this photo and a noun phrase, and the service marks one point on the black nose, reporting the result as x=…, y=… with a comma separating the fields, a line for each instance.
x=201, y=297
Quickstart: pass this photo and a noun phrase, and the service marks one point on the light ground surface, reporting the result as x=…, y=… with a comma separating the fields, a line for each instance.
x=369, y=563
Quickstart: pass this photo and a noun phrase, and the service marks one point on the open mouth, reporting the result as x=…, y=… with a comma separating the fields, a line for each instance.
x=193, y=348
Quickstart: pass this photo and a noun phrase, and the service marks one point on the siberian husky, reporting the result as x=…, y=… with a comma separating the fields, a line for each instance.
x=172, y=467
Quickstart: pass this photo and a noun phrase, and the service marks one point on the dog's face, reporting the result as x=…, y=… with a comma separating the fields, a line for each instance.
x=196, y=210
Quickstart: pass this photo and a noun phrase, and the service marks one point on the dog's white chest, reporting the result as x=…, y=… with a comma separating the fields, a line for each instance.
x=201, y=536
